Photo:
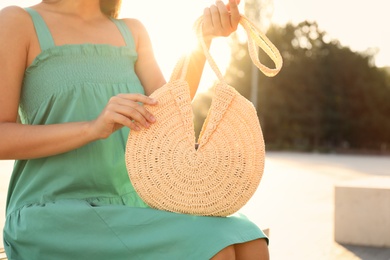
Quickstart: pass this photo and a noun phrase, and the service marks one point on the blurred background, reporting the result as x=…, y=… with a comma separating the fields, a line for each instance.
x=325, y=116
x=332, y=95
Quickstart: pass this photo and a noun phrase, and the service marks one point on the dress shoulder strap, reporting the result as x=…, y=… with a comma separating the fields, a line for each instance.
x=43, y=33
x=125, y=31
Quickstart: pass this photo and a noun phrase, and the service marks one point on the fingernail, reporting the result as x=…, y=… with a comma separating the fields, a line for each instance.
x=152, y=118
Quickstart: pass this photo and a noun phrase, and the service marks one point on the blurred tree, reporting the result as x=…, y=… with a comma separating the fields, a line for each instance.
x=326, y=97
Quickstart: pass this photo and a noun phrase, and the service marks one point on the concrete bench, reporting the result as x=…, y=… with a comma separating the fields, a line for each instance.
x=266, y=232
x=2, y=254
x=362, y=212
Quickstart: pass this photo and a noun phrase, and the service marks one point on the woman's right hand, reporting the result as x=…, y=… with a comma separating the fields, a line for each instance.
x=123, y=110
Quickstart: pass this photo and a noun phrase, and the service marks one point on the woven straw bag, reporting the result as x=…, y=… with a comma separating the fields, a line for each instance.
x=217, y=176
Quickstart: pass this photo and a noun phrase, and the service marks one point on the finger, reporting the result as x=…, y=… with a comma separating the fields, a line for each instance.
x=138, y=126
x=125, y=121
x=139, y=115
x=207, y=17
x=131, y=102
x=228, y=4
x=139, y=98
x=145, y=113
x=215, y=19
x=131, y=110
x=234, y=14
x=223, y=16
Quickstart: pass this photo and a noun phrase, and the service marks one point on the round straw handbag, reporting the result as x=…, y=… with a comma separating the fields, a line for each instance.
x=217, y=176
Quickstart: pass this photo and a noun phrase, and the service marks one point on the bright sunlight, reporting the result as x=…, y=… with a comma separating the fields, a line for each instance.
x=170, y=22
x=170, y=27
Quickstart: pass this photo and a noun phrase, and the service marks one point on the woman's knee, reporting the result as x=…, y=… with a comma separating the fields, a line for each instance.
x=228, y=253
x=252, y=250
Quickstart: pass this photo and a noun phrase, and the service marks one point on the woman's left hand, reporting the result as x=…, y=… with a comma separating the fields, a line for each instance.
x=220, y=19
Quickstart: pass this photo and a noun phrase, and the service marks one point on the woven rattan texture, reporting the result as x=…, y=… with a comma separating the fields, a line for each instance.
x=219, y=176
x=216, y=179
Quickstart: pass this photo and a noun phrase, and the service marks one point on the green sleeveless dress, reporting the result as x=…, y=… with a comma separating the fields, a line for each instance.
x=81, y=204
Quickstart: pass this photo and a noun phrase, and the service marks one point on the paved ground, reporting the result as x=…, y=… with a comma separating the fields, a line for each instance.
x=295, y=200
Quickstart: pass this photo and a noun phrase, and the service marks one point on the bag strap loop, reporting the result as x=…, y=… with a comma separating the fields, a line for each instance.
x=255, y=39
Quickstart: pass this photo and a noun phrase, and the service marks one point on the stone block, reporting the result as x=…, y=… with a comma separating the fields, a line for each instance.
x=362, y=212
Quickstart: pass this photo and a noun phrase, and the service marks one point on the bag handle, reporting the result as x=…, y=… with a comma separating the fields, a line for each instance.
x=255, y=39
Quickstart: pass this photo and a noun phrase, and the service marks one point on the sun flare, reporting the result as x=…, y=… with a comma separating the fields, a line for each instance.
x=170, y=26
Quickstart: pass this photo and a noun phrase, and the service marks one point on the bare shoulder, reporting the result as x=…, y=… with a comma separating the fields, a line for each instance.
x=134, y=24
x=15, y=34
x=138, y=30
x=15, y=22
x=13, y=15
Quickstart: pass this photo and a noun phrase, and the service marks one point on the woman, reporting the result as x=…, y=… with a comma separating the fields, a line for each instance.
x=78, y=76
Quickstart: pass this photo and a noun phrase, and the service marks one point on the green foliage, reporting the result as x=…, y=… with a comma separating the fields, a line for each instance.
x=326, y=98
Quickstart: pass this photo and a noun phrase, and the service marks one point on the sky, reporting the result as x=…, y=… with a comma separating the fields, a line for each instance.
x=358, y=24
x=355, y=23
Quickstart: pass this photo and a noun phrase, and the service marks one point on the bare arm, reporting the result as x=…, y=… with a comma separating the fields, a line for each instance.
x=19, y=141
